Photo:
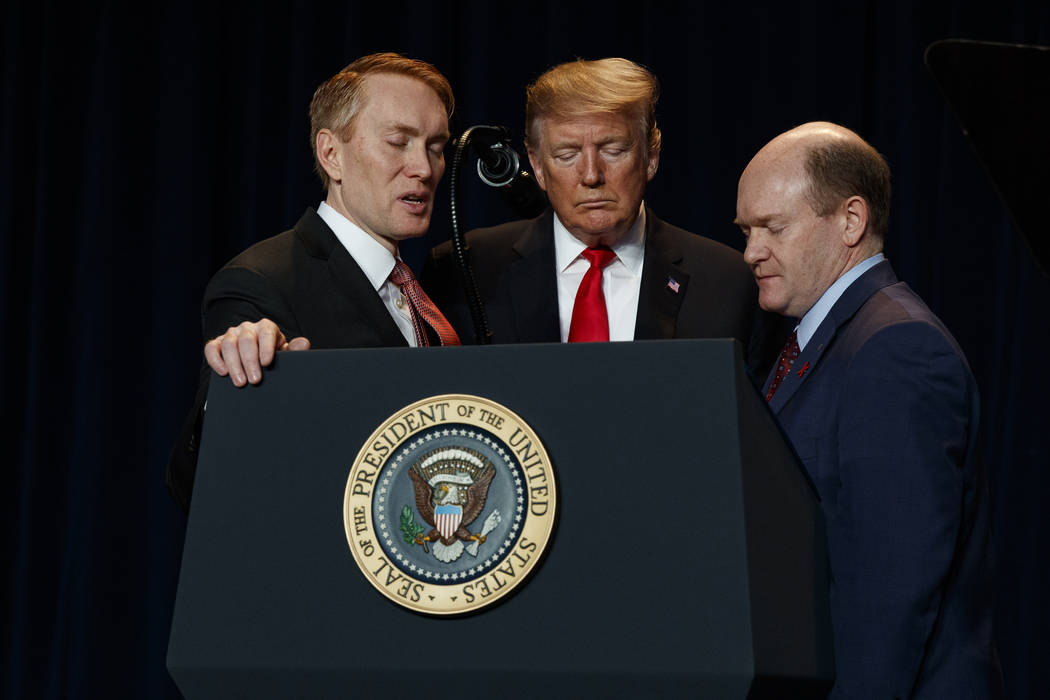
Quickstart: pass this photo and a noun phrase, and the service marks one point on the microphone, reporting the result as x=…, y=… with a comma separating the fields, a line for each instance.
x=499, y=166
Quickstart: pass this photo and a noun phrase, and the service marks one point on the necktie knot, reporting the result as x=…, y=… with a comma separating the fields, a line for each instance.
x=423, y=309
x=401, y=274
x=599, y=256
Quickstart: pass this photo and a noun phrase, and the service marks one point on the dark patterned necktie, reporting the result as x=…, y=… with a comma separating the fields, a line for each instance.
x=590, y=319
x=423, y=309
x=787, y=358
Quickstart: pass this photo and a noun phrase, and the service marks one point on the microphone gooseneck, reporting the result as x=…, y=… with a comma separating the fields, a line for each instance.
x=482, y=334
x=498, y=166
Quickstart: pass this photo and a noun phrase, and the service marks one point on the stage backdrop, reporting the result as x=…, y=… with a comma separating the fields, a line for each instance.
x=144, y=144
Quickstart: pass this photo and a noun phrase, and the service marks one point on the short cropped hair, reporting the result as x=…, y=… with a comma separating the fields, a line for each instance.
x=606, y=86
x=841, y=168
x=338, y=100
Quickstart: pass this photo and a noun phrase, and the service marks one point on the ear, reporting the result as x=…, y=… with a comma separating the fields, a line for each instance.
x=536, y=160
x=329, y=154
x=856, y=221
x=653, y=165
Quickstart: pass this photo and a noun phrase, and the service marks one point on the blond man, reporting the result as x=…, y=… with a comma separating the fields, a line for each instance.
x=378, y=133
x=594, y=145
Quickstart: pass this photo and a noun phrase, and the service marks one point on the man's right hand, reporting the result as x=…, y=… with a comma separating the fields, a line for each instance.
x=243, y=351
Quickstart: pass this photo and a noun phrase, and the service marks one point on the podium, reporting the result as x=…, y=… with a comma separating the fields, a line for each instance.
x=688, y=557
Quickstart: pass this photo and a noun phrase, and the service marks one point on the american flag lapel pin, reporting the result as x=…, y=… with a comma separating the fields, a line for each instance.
x=672, y=284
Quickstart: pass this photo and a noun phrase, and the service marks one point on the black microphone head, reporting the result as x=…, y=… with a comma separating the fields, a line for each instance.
x=500, y=168
x=484, y=135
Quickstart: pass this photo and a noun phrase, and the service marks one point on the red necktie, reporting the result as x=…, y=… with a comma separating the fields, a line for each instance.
x=422, y=308
x=787, y=358
x=590, y=319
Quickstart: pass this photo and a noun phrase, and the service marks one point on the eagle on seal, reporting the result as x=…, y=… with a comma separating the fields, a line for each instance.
x=456, y=495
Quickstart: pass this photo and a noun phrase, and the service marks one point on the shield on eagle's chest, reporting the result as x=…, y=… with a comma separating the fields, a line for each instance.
x=447, y=519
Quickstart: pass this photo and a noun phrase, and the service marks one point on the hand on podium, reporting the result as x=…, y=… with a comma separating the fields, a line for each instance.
x=242, y=351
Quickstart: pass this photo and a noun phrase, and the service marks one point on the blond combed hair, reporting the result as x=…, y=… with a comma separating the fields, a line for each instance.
x=338, y=100
x=606, y=86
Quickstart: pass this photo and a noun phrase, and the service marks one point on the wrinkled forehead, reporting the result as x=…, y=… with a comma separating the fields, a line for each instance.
x=770, y=185
x=404, y=99
x=600, y=125
x=777, y=165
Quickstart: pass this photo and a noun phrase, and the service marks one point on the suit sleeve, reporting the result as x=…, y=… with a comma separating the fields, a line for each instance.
x=235, y=294
x=904, y=435
x=241, y=293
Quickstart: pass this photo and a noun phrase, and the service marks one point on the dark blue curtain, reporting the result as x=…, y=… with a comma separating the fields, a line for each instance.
x=143, y=145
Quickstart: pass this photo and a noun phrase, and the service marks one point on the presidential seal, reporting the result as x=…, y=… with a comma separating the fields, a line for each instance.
x=450, y=504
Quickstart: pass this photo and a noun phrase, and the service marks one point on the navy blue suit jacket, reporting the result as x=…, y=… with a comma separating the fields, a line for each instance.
x=882, y=409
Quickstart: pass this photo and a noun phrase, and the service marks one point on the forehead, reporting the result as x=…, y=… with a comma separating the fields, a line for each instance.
x=597, y=127
x=771, y=186
x=391, y=97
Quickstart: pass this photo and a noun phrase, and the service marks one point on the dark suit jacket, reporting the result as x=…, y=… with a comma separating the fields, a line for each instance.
x=882, y=409
x=308, y=284
x=514, y=265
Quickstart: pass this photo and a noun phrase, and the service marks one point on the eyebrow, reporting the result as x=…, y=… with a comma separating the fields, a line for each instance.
x=762, y=221
x=554, y=146
x=625, y=139
x=413, y=131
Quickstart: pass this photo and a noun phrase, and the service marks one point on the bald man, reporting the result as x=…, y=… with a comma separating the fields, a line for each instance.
x=881, y=406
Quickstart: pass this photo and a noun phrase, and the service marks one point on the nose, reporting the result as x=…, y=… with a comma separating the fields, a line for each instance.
x=417, y=163
x=756, y=250
x=591, y=172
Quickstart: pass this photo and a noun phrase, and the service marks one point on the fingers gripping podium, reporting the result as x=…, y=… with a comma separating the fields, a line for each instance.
x=687, y=557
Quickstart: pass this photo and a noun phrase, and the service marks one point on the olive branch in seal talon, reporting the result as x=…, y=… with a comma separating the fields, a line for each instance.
x=411, y=530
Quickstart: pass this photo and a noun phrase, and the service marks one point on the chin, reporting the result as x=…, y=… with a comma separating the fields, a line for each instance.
x=772, y=306
x=591, y=230
x=414, y=229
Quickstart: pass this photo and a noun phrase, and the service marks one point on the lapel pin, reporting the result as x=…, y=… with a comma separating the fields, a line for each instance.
x=803, y=370
x=672, y=284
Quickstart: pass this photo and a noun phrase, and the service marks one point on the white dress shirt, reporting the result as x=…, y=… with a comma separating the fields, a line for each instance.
x=621, y=279
x=819, y=311
x=376, y=262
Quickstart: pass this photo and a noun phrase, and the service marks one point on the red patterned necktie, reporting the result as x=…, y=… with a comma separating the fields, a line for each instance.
x=422, y=308
x=590, y=319
x=787, y=358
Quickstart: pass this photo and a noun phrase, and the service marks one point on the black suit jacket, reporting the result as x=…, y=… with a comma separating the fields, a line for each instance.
x=514, y=265
x=308, y=284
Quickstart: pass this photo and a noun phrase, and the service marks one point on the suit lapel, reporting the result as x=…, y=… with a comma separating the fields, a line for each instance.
x=843, y=310
x=664, y=284
x=360, y=297
x=804, y=365
x=532, y=284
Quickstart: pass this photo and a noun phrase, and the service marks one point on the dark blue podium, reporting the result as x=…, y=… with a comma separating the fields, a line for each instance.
x=688, y=557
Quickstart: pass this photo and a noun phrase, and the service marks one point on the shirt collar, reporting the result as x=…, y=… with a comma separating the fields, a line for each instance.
x=370, y=255
x=819, y=311
x=630, y=250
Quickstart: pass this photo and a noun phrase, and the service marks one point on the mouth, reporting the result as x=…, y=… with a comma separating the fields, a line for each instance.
x=595, y=203
x=415, y=201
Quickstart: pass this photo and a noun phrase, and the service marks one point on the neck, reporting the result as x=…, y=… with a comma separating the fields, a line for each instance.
x=335, y=200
